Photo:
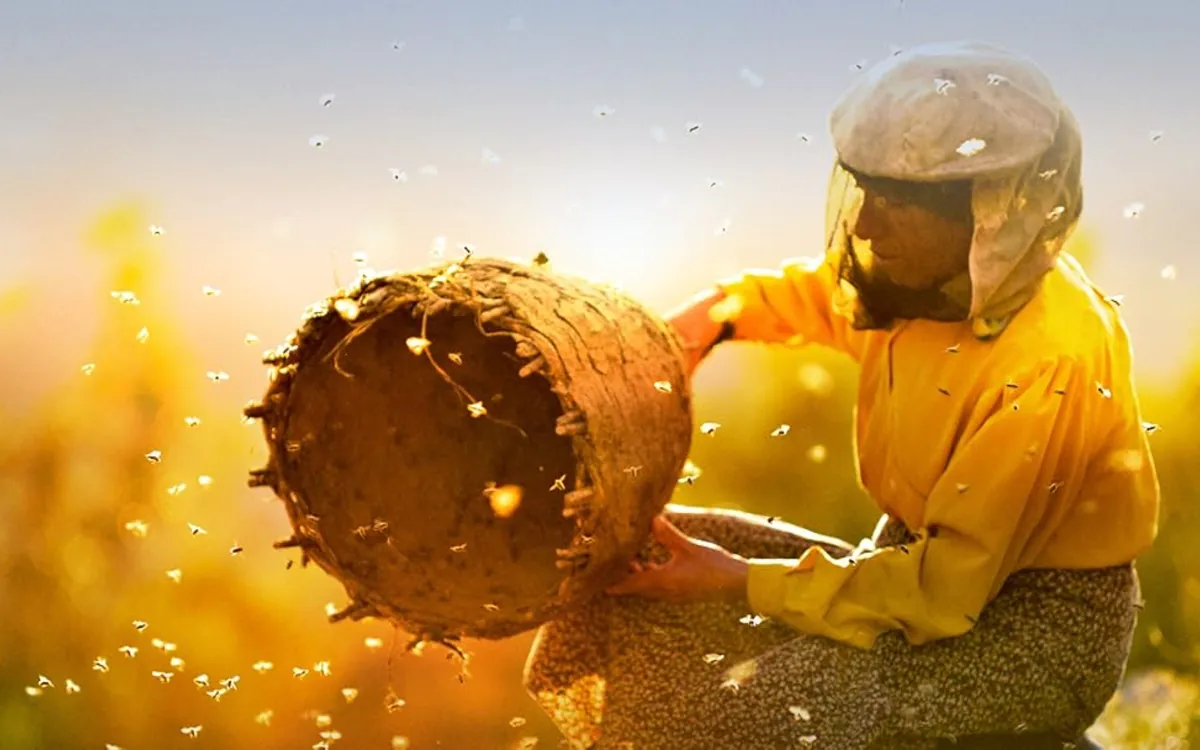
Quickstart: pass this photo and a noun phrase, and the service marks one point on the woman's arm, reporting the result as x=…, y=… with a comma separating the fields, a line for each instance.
x=996, y=505
x=792, y=305
x=700, y=325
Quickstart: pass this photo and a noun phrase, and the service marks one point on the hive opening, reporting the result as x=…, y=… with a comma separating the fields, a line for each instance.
x=393, y=437
x=396, y=465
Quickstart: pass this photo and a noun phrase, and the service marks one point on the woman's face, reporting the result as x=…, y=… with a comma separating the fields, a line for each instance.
x=908, y=240
x=916, y=235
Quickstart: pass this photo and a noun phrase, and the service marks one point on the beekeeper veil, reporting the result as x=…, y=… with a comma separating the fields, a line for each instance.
x=962, y=112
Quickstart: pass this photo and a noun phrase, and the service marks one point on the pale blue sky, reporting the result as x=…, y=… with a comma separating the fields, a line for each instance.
x=206, y=108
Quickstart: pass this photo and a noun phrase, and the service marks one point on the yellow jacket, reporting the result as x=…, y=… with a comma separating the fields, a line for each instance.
x=1026, y=451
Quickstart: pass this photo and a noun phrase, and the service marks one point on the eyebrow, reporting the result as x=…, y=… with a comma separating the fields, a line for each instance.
x=951, y=198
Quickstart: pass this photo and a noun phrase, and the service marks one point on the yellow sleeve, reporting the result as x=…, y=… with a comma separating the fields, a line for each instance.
x=793, y=304
x=989, y=513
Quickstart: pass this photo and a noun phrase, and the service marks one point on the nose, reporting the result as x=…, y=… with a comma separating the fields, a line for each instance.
x=869, y=225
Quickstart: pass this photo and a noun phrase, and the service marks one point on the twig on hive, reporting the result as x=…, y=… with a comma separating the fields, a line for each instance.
x=263, y=478
x=283, y=375
x=303, y=543
x=278, y=356
x=437, y=306
x=445, y=641
x=495, y=313
x=462, y=392
x=525, y=348
x=577, y=502
x=355, y=611
x=532, y=366
x=572, y=558
x=295, y=541
x=256, y=410
x=571, y=423
x=490, y=310
x=358, y=329
x=392, y=656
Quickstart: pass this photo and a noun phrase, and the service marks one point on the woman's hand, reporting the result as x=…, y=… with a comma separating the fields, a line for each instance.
x=696, y=571
x=697, y=329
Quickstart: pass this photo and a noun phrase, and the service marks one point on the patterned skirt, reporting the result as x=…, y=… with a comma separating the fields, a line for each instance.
x=632, y=674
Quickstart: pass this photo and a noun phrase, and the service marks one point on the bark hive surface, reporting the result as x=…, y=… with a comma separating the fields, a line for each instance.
x=409, y=414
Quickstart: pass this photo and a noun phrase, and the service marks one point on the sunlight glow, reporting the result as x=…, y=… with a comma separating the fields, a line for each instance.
x=614, y=242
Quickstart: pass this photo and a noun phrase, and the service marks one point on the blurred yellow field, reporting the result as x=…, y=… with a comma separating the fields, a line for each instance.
x=178, y=182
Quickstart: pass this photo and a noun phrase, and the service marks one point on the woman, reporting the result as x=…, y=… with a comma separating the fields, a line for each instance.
x=997, y=428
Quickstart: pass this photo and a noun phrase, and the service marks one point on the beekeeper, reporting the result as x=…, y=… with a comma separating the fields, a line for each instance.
x=997, y=429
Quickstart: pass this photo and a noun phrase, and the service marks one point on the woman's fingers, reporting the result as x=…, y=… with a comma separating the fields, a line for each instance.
x=649, y=579
x=633, y=584
x=669, y=535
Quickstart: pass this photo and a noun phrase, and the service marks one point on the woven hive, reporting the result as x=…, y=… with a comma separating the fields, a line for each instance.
x=473, y=448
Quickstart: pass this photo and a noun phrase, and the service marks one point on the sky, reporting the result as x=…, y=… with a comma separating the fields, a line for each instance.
x=204, y=111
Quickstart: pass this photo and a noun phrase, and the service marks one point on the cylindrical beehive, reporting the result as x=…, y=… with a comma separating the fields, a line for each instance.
x=473, y=448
